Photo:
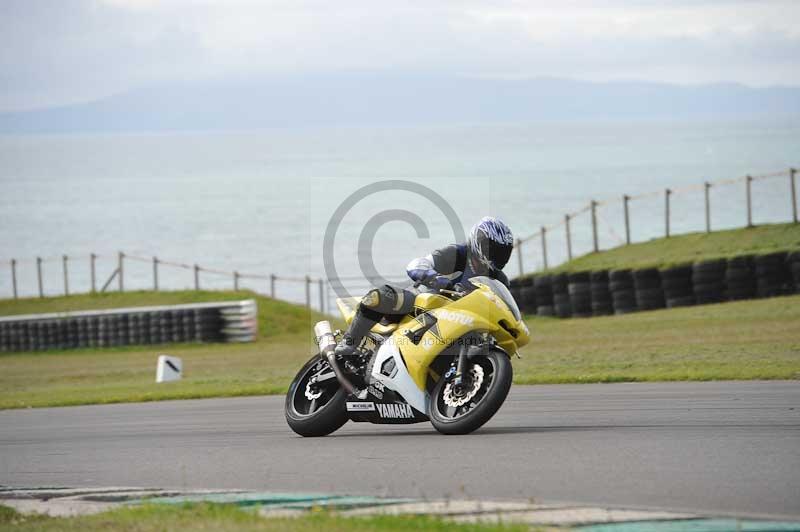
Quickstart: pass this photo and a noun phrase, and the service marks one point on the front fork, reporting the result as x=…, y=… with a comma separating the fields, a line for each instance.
x=466, y=353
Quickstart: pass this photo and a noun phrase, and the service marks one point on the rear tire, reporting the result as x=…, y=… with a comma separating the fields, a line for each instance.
x=486, y=406
x=324, y=420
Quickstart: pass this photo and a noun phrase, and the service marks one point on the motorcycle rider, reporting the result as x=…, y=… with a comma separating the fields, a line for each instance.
x=485, y=253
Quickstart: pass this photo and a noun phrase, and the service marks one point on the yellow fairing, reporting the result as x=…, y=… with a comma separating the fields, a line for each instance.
x=479, y=311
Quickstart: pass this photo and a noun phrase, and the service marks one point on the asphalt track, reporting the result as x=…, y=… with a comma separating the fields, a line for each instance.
x=728, y=448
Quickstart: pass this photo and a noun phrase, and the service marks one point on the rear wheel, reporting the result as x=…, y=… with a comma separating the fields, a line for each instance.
x=461, y=410
x=315, y=404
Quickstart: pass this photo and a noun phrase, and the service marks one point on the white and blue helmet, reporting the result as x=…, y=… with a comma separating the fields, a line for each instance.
x=491, y=242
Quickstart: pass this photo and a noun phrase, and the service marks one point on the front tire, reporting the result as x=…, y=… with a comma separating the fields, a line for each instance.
x=323, y=414
x=495, y=371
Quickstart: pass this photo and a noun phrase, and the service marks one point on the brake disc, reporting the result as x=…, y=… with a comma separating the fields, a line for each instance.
x=452, y=399
x=312, y=394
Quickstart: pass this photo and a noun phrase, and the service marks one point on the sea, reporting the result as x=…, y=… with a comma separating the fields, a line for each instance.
x=359, y=203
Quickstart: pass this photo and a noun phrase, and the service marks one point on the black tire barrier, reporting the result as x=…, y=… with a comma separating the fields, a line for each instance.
x=772, y=275
x=649, y=294
x=528, y=294
x=623, y=292
x=686, y=301
x=545, y=310
x=544, y=290
x=580, y=294
x=676, y=283
x=711, y=281
x=711, y=266
x=561, y=299
x=234, y=321
x=793, y=264
x=542, y=285
x=708, y=281
x=602, y=304
x=562, y=305
x=620, y=279
x=740, y=278
x=624, y=302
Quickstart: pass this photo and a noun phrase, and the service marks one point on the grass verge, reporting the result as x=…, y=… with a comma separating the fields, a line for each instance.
x=757, y=339
x=225, y=518
x=681, y=249
x=745, y=340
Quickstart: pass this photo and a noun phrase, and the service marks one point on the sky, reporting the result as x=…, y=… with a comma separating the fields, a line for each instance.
x=57, y=52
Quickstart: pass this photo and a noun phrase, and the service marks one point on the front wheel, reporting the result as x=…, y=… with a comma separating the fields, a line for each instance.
x=316, y=404
x=465, y=408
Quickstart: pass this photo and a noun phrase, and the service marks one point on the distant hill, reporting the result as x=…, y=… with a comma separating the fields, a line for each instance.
x=384, y=99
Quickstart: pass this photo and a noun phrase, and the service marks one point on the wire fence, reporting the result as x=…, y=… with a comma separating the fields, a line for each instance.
x=598, y=214
x=314, y=289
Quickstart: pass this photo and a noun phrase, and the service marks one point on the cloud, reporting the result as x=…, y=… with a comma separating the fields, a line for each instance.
x=56, y=52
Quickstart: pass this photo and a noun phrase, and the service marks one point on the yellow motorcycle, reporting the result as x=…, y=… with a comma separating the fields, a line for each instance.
x=447, y=362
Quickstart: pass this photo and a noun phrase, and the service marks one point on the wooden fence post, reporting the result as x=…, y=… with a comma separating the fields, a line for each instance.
x=272, y=285
x=749, y=181
x=236, y=281
x=308, y=292
x=544, y=246
x=196, y=277
x=569, y=237
x=667, y=194
x=39, y=275
x=708, y=206
x=321, y=297
x=519, y=255
x=594, y=226
x=64, y=260
x=155, y=274
x=792, y=172
x=14, y=276
x=625, y=200
x=120, y=259
x=92, y=271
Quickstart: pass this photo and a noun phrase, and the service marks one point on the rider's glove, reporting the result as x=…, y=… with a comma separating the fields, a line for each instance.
x=440, y=282
x=434, y=280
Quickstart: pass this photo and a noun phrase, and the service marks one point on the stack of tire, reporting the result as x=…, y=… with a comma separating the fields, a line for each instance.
x=772, y=275
x=207, y=322
x=677, y=285
x=580, y=294
x=623, y=292
x=708, y=280
x=542, y=285
x=561, y=300
x=740, y=278
x=601, y=294
x=649, y=293
x=584, y=294
x=528, y=295
x=793, y=265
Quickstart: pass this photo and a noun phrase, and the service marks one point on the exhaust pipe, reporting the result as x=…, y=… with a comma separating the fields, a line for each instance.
x=327, y=345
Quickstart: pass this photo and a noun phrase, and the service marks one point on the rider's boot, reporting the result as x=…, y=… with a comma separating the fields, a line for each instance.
x=362, y=323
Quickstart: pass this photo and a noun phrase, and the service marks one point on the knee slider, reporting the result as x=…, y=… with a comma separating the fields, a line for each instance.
x=372, y=299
